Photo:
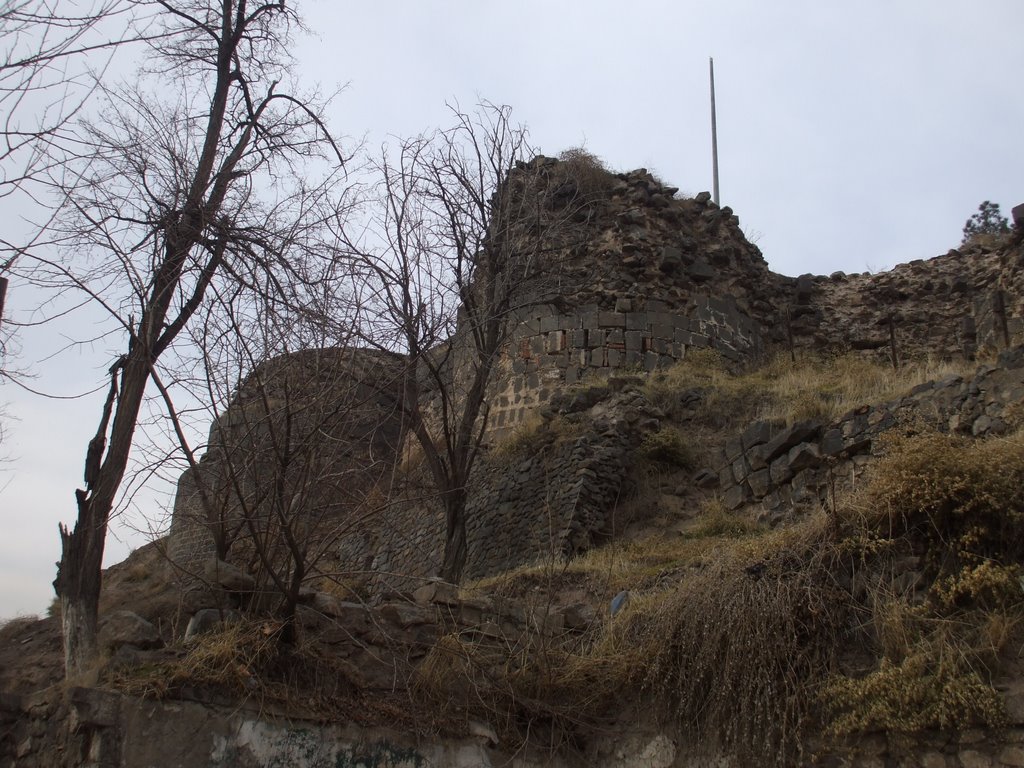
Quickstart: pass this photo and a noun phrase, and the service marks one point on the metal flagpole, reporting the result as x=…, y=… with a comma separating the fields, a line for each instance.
x=714, y=136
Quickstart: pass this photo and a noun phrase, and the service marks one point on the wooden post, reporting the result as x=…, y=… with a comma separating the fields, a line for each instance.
x=969, y=337
x=789, y=336
x=892, y=344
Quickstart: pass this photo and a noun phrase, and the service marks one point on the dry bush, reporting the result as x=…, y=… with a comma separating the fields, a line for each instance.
x=934, y=670
x=958, y=503
x=988, y=241
x=737, y=646
x=934, y=687
x=587, y=172
x=725, y=636
x=963, y=498
x=520, y=685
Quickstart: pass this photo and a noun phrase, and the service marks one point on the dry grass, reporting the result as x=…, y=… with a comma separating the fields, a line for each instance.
x=592, y=178
x=717, y=521
x=666, y=449
x=534, y=435
x=636, y=564
x=246, y=660
x=741, y=637
x=820, y=388
x=17, y=624
x=522, y=441
x=737, y=645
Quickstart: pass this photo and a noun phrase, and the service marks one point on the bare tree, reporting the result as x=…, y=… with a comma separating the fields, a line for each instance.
x=194, y=177
x=304, y=441
x=461, y=243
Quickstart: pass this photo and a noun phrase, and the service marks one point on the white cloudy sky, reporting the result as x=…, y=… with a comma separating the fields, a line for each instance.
x=852, y=136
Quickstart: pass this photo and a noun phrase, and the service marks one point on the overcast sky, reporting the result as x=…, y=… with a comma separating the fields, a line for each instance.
x=852, y=136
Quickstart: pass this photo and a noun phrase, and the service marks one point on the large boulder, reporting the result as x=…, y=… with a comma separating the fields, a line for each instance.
x=124, y=627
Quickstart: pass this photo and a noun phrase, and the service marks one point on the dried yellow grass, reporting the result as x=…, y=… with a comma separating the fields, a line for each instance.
x=822, y=388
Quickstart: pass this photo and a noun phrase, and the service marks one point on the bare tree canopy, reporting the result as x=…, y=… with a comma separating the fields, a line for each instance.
x=205, y=175
x=50, y=54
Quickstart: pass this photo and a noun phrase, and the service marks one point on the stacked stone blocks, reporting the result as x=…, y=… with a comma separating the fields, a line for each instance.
x=548, y=350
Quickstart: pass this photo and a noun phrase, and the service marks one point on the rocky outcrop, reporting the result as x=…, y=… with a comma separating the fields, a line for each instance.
x=637, y=278
x=779, y=466
x=106, y=730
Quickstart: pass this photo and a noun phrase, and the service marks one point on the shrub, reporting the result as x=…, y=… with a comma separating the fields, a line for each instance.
x=964, y=499
x=667, y=448
x=926, y=690
x=959, y=504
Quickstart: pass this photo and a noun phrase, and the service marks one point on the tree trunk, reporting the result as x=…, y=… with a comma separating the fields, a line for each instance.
x=455, y=550
x=79, y=572
x=78, y=587
x=78, y=625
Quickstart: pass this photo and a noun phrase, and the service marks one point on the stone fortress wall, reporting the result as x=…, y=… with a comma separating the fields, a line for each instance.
x=549, y=350
x=653, y=277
